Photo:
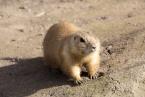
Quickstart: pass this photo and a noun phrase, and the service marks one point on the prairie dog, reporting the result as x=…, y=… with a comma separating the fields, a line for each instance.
x=68, y=48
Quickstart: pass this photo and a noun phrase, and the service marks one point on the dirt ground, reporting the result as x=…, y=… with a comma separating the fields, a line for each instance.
x=120, y=25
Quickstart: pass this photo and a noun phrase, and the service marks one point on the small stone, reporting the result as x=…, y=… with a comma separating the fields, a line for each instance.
x=21, y=30
x=1, y=16
x=40, y=14
x=21, y=7
x=13, y=40
x=129, y=15
x=104, y=18
x=109, y=49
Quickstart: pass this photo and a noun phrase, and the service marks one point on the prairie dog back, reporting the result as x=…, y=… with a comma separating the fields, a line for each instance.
x=54, y=39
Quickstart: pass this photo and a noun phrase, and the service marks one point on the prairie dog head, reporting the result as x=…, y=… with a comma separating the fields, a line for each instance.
x=83, y=43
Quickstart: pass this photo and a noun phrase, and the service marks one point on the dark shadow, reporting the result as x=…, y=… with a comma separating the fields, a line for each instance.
x=27, y=76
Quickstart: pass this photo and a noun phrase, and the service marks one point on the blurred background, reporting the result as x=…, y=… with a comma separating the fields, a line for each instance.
x=119, y=24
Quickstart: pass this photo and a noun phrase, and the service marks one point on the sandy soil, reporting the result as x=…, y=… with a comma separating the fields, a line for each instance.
x=120, y=25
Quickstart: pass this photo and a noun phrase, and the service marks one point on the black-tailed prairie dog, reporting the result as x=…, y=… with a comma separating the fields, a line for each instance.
x=68, y=48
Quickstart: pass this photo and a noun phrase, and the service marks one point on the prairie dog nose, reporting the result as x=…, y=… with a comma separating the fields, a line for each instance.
x=93, y=47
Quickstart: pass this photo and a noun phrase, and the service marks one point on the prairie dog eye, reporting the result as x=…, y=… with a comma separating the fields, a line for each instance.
x=82, y=40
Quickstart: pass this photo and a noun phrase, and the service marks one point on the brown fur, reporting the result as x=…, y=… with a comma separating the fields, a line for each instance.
x=63, y=49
